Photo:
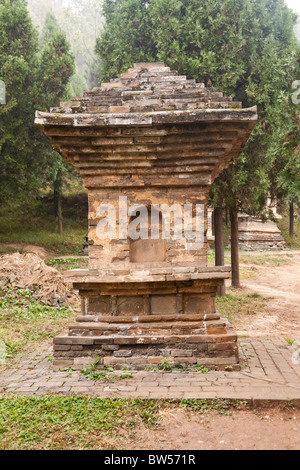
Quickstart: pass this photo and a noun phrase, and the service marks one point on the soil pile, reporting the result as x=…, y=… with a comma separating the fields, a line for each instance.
x=28, y=271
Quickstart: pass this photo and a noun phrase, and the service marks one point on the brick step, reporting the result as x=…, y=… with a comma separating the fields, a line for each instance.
x=158, y=329
x=140, y=319
x=144, y=339
x=140, y=352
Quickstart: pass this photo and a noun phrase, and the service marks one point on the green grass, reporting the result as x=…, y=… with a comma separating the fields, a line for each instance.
x=96, y=372
x=249, y=258
x=236, y=304
x=68, y=423
x=65, y=264
x=167, y=365
x=266, y=259
x=211, y=257
x=25, y=320
x=283, y=225
x=35, y=224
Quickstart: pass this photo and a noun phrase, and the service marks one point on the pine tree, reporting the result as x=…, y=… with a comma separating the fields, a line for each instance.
x=20, y=157
x=33, y=80
x=56, y=66
x=127, y=37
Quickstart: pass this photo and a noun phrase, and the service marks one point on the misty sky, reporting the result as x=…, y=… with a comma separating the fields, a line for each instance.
x=294, y=4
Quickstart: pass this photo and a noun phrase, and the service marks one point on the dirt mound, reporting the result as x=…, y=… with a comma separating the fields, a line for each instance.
x=25, y=248
x=28, y=271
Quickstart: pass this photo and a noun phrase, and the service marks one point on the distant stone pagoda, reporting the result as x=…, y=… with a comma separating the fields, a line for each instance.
x=149, y=138
x=258, y=234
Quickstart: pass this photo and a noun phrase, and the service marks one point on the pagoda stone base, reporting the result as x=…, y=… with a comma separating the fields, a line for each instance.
x=256, y=234
x=142, y=346
x=138, y=325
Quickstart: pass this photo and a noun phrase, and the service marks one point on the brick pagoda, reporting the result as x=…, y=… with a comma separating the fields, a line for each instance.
x=148, y=138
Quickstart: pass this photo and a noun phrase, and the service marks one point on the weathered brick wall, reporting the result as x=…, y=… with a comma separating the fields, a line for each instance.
x=106, y=252
x=170, y=299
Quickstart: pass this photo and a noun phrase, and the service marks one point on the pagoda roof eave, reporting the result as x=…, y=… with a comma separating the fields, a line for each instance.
x=146, y=118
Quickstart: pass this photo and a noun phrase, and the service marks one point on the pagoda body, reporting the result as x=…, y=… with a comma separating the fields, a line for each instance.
x=149, y=139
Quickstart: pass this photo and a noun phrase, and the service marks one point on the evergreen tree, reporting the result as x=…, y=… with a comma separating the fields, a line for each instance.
x=77, y=83
x=56, y=66
x=50, y=29
x=127, y=37
x=284, y=148
x=20, y=157
x=33, y=81
x=81, y=20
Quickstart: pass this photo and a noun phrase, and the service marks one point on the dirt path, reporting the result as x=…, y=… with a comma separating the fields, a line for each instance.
x=265, y=429
x=281, y=285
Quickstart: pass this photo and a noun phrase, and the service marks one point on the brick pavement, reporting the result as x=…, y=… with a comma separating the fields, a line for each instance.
x=267, y=374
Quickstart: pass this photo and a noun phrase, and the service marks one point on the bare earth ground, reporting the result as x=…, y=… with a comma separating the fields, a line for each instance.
x=42, y=252
x=281, y=284
x=265, y=428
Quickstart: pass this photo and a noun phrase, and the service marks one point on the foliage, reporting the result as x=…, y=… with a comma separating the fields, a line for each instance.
x=25, y=320
x=81, y=20
x=34, y=223
x=55, y=74
x=97, y=372
x=65, y=264
x=297, y=27
x=21, y=157
x=127, y=36
x=33, y=81
x=283, y=225
x=55, y=69
x=284, y=148
x=167, y=365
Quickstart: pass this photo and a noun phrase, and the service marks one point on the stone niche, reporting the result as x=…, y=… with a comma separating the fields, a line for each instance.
x=148, y=140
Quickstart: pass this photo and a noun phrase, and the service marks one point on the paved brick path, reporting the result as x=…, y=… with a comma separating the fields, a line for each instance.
x=268, y=373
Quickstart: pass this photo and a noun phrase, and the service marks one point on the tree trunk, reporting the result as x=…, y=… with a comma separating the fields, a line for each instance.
x=234, y=227
x=226, y=216
x=219, y=244
x=292, y=220
x=58, y=203
x=59, y=215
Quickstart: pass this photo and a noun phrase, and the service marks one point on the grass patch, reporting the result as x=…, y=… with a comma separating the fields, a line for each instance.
x=65, y=264
x=83, y=423
x=211, y=257
x=167, y=365
x=254, y=258
x=25, y=320
x=102, y=373
x=235, y=305
x=265, y=259
x=7, y=250
x=283, y=225
x=222, y=406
